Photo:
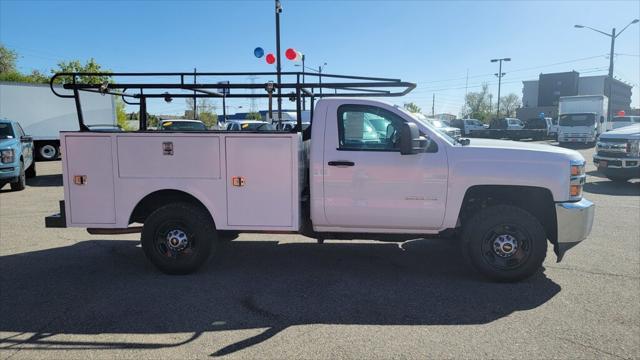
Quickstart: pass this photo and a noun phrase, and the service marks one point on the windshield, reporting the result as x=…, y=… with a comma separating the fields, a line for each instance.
x=257, y=126
x=577, y=120
x=438, y=124
x=626, y=119
x=6, y=131
x=183, y=126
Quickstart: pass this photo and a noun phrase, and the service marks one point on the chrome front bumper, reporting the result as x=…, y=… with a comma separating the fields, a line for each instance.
x=575, y=220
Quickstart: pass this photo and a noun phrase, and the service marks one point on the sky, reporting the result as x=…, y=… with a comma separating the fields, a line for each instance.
x=432, y=43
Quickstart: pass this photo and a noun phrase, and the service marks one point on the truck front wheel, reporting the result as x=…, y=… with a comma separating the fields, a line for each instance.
x=177, y=238
x=504, y=243
x=20, y=182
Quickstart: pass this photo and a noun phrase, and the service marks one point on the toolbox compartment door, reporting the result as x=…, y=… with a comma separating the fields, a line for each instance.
x=265, y=180
x=89, y=178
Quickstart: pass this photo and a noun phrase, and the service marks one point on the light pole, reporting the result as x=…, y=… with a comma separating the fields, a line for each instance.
x=613, y=37
x=318, y=70
x=500, y=74
x=304, y=100
x=278, y=68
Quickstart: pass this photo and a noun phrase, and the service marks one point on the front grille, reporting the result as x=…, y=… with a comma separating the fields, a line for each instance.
x=611, y=154
x=608, y=148
x=614, y=140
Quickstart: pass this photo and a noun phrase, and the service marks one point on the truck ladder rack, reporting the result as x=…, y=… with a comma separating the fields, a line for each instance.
x=136, y=87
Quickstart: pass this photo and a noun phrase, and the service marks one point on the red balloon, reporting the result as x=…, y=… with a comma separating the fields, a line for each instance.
x=291, y=54
x=270, y=59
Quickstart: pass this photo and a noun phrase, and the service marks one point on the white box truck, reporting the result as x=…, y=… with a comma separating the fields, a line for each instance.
x=364, y=169
x=43, y=115
x=582, y=118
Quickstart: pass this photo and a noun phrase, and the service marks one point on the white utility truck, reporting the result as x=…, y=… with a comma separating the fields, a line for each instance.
x=43, y=115
x=582, y=118
x=338, y=179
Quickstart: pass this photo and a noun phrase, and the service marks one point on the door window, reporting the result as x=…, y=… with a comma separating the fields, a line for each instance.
x=366, y=127
x=20, y=131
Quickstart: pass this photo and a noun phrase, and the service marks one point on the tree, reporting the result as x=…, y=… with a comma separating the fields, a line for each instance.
x=8, y=59
x=206, y=112
x=509, y=104
x=477, y=105
x=76, y=66
x=412, y=107
x=121, y=115
x=253, y=116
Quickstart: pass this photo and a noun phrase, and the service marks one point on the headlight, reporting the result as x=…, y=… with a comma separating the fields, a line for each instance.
x=577, y=170
x=7, y=156
x=578, y=178
x=633, y=147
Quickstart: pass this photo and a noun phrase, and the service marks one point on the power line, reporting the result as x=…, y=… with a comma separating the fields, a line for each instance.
x=460, y=87
x=516, y=70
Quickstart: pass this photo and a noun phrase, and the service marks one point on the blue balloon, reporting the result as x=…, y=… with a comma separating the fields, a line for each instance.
x=258, y=52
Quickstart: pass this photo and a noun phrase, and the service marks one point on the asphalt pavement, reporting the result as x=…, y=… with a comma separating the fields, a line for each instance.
x=67, y=294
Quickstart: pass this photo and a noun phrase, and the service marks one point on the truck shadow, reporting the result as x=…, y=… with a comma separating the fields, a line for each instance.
x=608, y=187
x=576, y=146
x=45, y=180
x=107, y=287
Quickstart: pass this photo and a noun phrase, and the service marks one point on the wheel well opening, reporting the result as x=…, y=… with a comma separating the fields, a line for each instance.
x=157, y=199
x=536, y=200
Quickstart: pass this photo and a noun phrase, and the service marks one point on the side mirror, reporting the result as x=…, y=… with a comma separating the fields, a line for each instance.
x=26, y=138
x=601, y=119
x=410, y=140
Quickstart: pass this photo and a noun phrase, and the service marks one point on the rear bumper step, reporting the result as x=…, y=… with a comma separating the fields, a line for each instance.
x=58, y=220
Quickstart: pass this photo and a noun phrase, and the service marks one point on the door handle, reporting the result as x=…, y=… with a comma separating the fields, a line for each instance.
x=341, y=163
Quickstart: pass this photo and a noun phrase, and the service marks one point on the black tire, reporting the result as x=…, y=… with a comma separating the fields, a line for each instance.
x=504, y=243
x=165, y=229
x=21, y=183
x=620, y=179
x=31, y=171
x=48, y=151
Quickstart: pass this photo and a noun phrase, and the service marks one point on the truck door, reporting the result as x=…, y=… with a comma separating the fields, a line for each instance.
x=368, y=183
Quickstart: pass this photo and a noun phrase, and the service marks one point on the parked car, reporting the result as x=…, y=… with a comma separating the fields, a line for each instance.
x=289, y=125
x=16, y=155
x=507, y=124
x=466, y=126
x=105, y=128
x=618, y=153
x=553, y=128
x=545, y=124
x=182, y=125
x=622, y=121
x=249, y=125
x=445, y=128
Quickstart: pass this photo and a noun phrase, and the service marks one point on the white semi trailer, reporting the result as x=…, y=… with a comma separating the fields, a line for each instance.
x=43, y=115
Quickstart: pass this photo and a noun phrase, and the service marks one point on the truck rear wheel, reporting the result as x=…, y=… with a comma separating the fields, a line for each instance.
x=48, y=151
x=504, y=243
x=177, y=238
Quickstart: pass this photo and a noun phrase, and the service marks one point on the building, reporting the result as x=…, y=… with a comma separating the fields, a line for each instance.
x=542, y=95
